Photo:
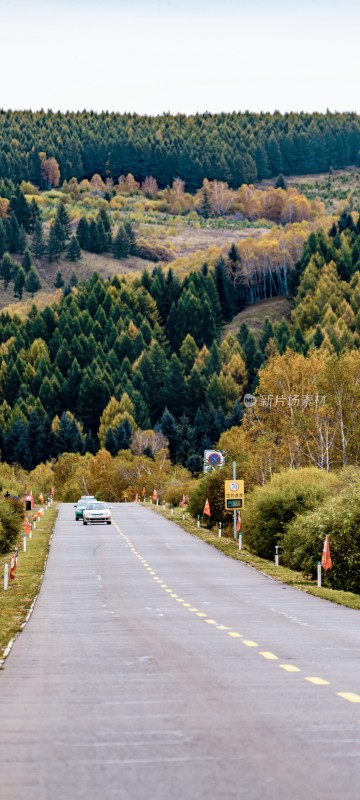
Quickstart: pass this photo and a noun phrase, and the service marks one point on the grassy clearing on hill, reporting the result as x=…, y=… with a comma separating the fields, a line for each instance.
x=16, y=602
x=230, y=548
x=275, y=308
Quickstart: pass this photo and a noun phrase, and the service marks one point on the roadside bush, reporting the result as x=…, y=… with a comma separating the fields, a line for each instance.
x=269, y=509
x=11, y=516
x=212, y=488
x=339, y=518
x=175, y=491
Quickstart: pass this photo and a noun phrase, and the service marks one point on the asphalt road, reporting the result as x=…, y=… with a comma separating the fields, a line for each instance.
x=154, y=668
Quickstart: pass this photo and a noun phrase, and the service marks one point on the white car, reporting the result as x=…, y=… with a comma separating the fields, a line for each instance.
x=97, y=512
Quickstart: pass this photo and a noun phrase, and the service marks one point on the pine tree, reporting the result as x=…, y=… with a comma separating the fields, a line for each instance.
x=102, y=237
x=73, y=280
x=82, y=233
x=55, y=242
x=267, y=333
x=16, y=445
x=67, y=438
x=121, y=246
x=22, y=240
x=124, y=435
x=280, y=182
x=318, y=337
x=131, y=238
x=63, y=220
x=26, y=261
x=14, y=235
x=35, y=214
x=21, y=208
x=93, y=237
x=174, y=387
x=205, y=204
x=110, y=442
x=7, y=269
x=32, y=282
x=59, y=280
x=37, y=242
x=73, y=251
x=225, y=290
x=105, y=219
x=19, y=282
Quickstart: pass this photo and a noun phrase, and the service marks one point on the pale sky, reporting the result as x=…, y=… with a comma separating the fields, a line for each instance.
x=180, y=56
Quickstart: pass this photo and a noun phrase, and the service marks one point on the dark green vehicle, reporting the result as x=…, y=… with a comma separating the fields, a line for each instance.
x=81, y=504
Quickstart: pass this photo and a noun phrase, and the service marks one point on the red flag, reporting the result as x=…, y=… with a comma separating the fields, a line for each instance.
x=154, y=497
x=136, y=498
x=52, y=491
x=207, y=508
x=326, y=562
x=238, y=522
x=143, y=491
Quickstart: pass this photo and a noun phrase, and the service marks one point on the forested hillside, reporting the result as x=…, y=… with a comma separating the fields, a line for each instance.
x=237, y=148
x=115, y=358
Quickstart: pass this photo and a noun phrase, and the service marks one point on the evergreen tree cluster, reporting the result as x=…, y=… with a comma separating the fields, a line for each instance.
x=96, y=236
x=238, y=147
x=156, y=342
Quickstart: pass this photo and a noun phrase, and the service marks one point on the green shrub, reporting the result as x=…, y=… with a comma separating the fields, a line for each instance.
x=212, y=488
x=152, y=251
x=269, y=509
x=339, y=518
x=11, y=518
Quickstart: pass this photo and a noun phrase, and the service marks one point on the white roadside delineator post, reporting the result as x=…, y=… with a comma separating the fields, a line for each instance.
x=219, y=530
x=276, y=555
x=24, y=542
x=319, y=573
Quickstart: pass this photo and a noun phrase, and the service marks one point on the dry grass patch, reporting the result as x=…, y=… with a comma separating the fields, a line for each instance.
x=16, y=602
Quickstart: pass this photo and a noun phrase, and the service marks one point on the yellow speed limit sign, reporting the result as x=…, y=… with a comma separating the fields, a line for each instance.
x=234, y=494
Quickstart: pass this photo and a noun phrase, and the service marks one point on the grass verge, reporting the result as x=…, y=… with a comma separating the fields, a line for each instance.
x=230, y=548
x=16, y=602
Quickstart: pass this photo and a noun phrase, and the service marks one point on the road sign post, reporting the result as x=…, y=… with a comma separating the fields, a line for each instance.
x=234, y=496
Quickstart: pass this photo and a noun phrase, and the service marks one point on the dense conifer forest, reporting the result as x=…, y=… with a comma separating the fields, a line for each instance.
x=237, y=148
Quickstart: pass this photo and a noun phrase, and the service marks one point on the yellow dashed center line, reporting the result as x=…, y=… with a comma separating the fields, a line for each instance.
x=289, y=668
x=350, y=696
x=269, y=656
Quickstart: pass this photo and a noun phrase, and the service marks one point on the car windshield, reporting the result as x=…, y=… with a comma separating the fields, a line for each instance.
x=96, y=506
